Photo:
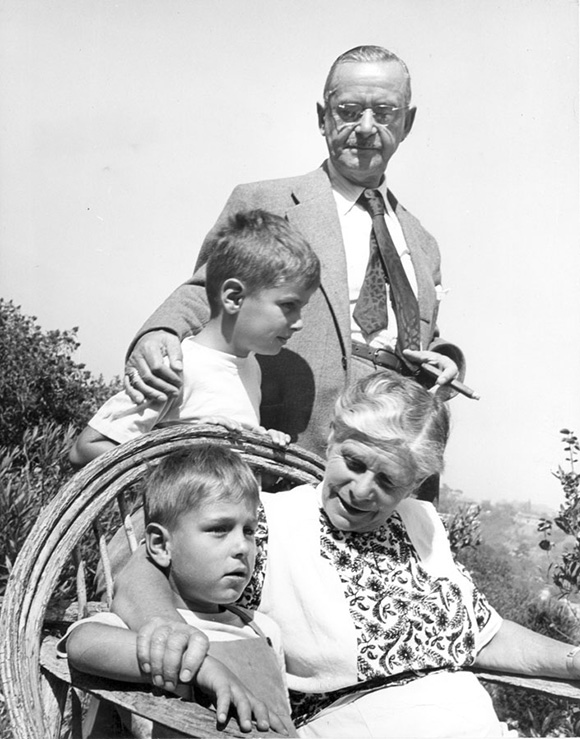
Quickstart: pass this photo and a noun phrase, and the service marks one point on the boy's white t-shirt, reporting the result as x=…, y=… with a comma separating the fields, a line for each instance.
x=214, y=384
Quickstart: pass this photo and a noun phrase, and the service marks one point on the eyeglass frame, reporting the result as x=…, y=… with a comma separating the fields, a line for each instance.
x=396, y=110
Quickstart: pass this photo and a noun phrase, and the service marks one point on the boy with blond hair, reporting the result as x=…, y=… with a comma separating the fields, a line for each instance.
x=201, y=513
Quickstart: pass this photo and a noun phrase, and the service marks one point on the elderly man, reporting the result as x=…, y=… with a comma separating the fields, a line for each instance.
x=377, y=304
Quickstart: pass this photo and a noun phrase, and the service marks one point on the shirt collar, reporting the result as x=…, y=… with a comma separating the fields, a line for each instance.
x=346, y=192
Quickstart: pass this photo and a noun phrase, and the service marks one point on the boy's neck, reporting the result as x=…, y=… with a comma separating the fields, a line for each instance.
x=218, y=334
x=208, y=609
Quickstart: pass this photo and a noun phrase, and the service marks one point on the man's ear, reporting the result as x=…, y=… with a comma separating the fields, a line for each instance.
x=321, y=113
x=232, y=295
x=409, y=120
x=158, y=543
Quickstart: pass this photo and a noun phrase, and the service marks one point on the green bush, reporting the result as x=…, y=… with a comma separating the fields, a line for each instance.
x=512, y=585
x=39, y=380
x=30, y=474
x=46, y=399
x=565, y=572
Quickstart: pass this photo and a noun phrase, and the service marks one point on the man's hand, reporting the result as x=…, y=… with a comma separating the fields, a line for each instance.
x=154, y=369
x=446, y=366
x=215, y=680
x=170, y=651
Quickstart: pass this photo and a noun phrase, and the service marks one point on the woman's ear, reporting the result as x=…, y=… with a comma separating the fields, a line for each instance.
x=232, y=295
x=158, y=543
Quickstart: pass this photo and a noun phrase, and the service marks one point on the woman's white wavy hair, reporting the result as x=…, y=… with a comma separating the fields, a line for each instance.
x=396, y=415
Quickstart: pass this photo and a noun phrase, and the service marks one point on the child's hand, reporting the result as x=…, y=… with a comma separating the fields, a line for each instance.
x=228, y=423
x=278, y=437
x=214, y=679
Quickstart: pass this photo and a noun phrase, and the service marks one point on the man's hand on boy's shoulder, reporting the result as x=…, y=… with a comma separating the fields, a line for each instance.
x=153, y=371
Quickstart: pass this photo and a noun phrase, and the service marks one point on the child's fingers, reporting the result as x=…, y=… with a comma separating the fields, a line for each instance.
x=243, y=705
x=276, y=724
x=222, y=703
x=279, y=437
x=228, y=423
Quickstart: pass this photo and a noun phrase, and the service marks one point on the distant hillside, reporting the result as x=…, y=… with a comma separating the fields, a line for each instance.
x=510, y=529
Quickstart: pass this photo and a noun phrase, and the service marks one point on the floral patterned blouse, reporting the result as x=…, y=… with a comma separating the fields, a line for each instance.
x=407, y=620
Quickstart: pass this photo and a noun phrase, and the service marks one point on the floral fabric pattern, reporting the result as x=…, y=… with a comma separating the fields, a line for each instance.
x=405, y=618
x=252, y=595
x=407, y=621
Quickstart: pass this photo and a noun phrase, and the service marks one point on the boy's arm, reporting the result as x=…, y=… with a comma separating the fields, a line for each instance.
x=89, y=445
x=111, y=652
x=106, y=651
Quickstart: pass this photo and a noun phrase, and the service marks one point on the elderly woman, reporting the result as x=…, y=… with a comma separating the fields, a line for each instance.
x=377, y=619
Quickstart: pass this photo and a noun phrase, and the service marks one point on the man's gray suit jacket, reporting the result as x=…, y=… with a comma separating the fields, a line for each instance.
x=300, y=385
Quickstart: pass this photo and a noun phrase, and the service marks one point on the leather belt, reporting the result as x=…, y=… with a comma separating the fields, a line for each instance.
x=379, y=357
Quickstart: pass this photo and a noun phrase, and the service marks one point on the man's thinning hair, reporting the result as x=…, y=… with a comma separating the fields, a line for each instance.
x=262, y=251
x=366, y=54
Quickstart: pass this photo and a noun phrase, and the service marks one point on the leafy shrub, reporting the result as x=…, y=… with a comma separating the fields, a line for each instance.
x=46, y=398
x=461, y=519
x=39, y=380
x=463, y=527
x=565, y=572
x=30, y=475
x=512, y=587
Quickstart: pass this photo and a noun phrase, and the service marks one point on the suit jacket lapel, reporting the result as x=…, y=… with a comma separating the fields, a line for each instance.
x=315, y=216
x=426, y=291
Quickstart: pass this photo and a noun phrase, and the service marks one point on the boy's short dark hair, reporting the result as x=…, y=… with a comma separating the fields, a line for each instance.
x=261, y=250
x=185, y=478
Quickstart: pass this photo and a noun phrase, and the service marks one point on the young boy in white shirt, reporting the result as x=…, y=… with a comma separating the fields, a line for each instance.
x=260, y=275
x=201, y=507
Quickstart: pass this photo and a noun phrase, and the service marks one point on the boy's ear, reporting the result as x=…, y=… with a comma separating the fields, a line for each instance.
x=232, y=295
x=158, y=543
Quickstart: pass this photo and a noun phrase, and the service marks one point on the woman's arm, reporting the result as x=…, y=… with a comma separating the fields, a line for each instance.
x=517, y=649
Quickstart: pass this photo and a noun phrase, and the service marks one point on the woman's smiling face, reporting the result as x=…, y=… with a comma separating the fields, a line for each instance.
x=363, y=485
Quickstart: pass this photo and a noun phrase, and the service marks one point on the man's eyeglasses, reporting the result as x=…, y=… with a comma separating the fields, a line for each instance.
x=353, y=112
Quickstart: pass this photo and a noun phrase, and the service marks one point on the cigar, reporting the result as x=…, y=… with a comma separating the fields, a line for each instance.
x=430, y=369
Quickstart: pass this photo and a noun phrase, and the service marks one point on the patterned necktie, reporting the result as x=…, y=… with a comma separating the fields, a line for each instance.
x=371, y=307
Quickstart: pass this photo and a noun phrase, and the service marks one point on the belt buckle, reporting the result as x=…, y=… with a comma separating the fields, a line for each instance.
x=392, y=364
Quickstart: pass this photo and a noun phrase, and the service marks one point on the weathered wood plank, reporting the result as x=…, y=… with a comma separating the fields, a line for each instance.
x=558, y=688
x=190, y=718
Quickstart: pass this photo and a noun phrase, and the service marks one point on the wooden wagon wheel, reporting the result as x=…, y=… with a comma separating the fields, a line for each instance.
x=33, y=698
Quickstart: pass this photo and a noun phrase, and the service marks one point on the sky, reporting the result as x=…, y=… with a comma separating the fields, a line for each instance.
x=125, y=125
